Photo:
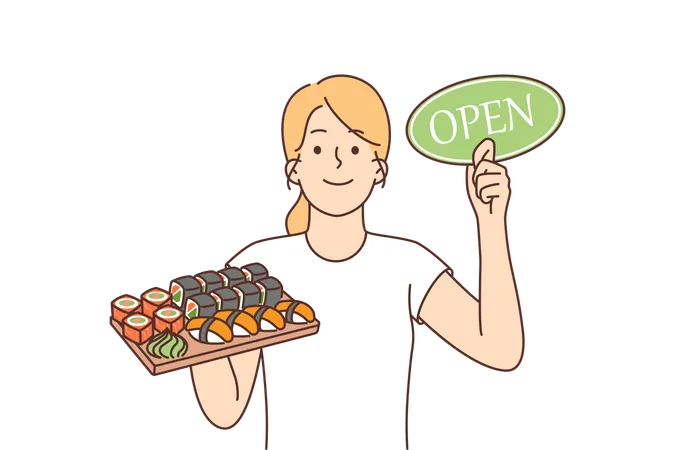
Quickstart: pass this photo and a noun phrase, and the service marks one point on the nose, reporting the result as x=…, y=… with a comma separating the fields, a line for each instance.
x=338, y=158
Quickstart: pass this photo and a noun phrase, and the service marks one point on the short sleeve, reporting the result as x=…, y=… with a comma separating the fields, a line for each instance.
x=423, y=269
x=247, y=255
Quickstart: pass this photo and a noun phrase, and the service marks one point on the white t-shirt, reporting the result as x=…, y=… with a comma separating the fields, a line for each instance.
x=356, y=368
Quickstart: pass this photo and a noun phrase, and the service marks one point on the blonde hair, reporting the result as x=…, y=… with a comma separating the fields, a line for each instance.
x=355, y=103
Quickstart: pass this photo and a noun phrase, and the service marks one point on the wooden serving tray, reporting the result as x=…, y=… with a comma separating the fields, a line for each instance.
x=199, y=352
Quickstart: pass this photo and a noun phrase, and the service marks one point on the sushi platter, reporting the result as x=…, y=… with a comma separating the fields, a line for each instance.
x=210, y=316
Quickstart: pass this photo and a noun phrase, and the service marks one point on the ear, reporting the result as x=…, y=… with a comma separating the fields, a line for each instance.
x=291, y=172
x=382, y=171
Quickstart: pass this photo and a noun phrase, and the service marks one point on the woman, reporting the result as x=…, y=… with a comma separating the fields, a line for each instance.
x=366, y=288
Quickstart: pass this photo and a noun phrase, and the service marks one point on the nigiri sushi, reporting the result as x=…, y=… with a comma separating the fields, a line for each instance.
x=209, y=330
x=241, y=323
x=296, y=311
x=267, y=318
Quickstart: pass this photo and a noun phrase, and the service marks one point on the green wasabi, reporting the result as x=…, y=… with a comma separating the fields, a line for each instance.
x=165, y=350
x=176, y=351
x=167, y=345
x=157, y=340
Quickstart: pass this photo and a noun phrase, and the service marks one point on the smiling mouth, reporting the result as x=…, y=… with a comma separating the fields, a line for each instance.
x=337, y=184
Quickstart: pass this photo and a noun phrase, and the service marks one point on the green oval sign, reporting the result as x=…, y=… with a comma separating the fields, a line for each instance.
x=518, y=113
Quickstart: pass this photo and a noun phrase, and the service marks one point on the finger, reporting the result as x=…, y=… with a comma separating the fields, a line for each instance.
x=487, y=167
x=486, y=180
x=490, y=190
x=485, y=150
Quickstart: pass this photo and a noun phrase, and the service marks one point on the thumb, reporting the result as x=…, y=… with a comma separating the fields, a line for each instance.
x=485, y=150
x=470, y=186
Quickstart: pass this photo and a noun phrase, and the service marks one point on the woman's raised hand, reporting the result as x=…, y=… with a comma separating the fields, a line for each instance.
x=487, y=183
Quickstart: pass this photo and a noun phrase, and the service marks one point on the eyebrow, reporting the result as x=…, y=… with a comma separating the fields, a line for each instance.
x=355, y=131
x=318, y=130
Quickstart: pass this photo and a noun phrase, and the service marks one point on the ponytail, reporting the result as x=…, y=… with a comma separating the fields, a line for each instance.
x=297, y=220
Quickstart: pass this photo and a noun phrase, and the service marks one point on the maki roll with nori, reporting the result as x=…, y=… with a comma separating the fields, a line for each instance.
x=254, y=272
x=270, y=291
x=209, y=281
x=232, y=276
x=182, y=288
x=200, y=305
x=226, y=298
x=249, y=294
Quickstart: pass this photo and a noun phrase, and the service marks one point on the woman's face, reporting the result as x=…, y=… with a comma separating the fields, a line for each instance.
x=337, y=169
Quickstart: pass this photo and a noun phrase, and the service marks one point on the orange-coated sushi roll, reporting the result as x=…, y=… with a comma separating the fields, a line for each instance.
x=137, y=328
x=123, y=306
x=168, y=317
x=153, y=299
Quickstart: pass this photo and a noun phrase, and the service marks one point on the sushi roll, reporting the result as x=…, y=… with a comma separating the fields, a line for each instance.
x=123, y=306
x=182, y=288
x=295, y=311
x=209, y=281
x=137, y=328
x=232, y=276
x=267, y=318
x=270, y=291
x=209, y=330
x=153, y=299
x=254, y=272
x=168, y=317
x=200, y=305
x=226, y=298
x=240, y=322
x=249, y=294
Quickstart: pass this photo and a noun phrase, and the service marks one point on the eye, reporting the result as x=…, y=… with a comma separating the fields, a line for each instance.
x=317, y=150
x=355, y=150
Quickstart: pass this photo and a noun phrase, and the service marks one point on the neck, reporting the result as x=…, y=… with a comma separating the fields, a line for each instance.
x=336, y=238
